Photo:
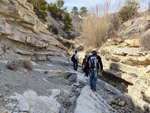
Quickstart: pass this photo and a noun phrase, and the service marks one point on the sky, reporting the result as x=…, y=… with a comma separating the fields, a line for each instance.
x=115, y=4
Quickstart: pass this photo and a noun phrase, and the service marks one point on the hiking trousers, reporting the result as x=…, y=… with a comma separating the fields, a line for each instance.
x=86, y=71
x=75, y=65
x=93, y=78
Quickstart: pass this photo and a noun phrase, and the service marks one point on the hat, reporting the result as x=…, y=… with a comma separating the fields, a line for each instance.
x=94, y=50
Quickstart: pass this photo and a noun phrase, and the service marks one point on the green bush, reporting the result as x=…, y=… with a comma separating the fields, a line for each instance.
x=59, y=3
x=54, y=10
x=68, y=23
x=129, y=11
x=40, y=8
x=52, y=28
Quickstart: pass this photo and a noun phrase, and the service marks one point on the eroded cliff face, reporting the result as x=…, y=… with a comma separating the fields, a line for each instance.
x=23, y=33
x=134, y=27
x=123, y=59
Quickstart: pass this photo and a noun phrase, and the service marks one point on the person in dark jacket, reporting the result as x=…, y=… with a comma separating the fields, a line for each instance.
x=94, y=64
x=75, y=61
x=84, y=65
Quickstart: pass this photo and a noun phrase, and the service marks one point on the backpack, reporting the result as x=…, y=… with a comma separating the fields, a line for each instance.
x=93, y=62
x=73, y=58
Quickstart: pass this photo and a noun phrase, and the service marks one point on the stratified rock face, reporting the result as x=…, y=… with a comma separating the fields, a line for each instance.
x=21, y=29
x=124, y=60
x=135, y=27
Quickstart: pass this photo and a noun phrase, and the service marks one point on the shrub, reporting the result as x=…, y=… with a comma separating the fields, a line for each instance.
x=129, y=11
x=28, y=64
x=68, y=23
x=54, y=10
x=145, y=40
x=40, y=8
x=52, y=28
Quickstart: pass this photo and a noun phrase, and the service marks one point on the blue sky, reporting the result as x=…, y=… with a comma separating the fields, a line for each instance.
x=115, y=4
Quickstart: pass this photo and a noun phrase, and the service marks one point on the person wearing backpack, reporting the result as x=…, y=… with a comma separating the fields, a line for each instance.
x=94, y=64
x=74, y=59
x=84, y=65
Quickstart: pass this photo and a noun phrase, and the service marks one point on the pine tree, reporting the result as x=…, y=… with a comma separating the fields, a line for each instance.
x=83, y=11
x=68, y=23
x=59, y=3
x=130, y=10
x=75, y=11
x=53, y=9
x=40, y=8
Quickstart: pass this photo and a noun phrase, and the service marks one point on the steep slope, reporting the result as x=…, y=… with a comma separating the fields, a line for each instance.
x=22, y=32
x=134, y=27
x=59, y=25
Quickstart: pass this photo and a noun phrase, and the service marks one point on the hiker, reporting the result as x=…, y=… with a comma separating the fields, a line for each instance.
x=94, y=64
x=84, y=65
x=74, y=59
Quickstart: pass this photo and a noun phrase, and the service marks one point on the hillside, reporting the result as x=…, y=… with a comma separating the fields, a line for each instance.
x=59, y=25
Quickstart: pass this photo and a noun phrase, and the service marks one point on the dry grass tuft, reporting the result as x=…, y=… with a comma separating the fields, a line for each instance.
x=28, y=64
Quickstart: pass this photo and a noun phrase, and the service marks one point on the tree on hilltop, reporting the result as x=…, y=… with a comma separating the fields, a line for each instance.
x=53, y=9
x=40, y=8
x=129, y=11
x=74, y=11
x=83, y=11
x=59, y=3
x=68, y=23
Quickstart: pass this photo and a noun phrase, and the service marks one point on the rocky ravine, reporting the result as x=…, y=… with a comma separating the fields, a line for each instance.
x=50, y=86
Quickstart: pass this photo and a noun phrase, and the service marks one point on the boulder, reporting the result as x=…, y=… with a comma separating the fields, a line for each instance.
x=132, y=91
x=121, y=103
x=13, y=65
x=73, y=77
